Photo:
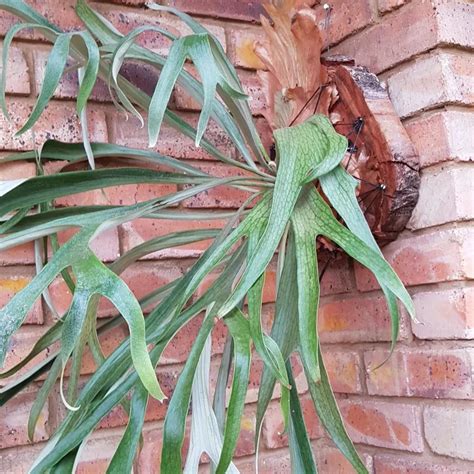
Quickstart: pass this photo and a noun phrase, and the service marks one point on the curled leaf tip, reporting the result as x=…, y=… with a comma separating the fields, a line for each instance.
x=63, y=398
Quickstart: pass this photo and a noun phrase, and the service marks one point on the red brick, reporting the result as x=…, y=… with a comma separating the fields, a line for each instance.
x=156, y=410
x=441, y=136
x=105, y=245
x=18, y=81
x=248, y=10
x=14, y=419
x=454, y=21
x=256, y=373
x=250, y=85
x=224, y=196
x=16, y=170
x=345, y=18
x=330, y=460
x=170, y=141
x=59, y=121
x=253, y=88
x=416, y=28
x=450, y=430
x=343, y=368
x=98, y=452
x=273, y=428
x=245, y=443
x=241, y=40
x=273, y=462
x=387, y=464
x=126, y=21
x=338, y=275
x=68, y=85
x=431, y=81
x=357, y=319
x=441, y=373
x=109, y=341
x=178, y=348
x=389, y=5
x=20, y=255
x=20, y=345
x=443, y=255
x=454, y=187
x=141, y=230
x=149, y=457
x=13, y=280
x=387, y=425
x=143, y=278
x=444, y=314
x=19, y=459
x=61, y=14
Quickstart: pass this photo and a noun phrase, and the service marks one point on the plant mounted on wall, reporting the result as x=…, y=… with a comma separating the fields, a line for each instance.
x=287, y=209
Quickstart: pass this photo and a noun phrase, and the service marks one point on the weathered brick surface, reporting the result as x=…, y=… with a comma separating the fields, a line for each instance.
x=18, y=81
x=454, y=187
x=440, y=136
x=247, y=10
x=386, y=464
x=388, y=5
x=59, y=121
x=273, y=431
x=14, y=418
x=343, y=19
x=12, y=281
x=389, y=425
x=171, y=142
x=424, y=49
x=421, y=373
x=450, y=431
x=441, y=78
x=444, y=314
x=437, y=256
x=331, y=460
x=356, y=319
x=413, y=29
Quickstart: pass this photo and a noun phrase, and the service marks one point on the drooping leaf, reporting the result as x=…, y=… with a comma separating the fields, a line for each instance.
x=52, y=75
x=239, y=330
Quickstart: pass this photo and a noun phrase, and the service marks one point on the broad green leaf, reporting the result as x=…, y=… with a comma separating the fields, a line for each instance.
x=300, y=150
x=205, y=435
x=340, y=188
x=74, y=152
x=164, y=88
x=5, y=53
x=122, y=460
x=175, y=421
x=328, y=412
x=85, y=124
x=265, y=346
x=90, y=70
x=45, y=188
x=219, y=402
x=302, y=459
x=308, y=290
x=239, y=330
x=54, y=70
x=42, y=396
x=327, y=225
x=285, y=328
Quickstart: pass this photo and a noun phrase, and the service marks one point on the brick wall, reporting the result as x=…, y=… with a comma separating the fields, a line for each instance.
x=416, y=413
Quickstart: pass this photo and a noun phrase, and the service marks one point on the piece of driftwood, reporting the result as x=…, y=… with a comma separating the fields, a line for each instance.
x=383, y=157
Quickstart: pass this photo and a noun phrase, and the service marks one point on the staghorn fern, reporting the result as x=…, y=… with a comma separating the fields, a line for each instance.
x=285, y=212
